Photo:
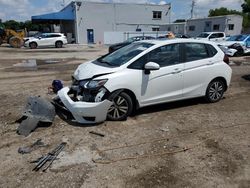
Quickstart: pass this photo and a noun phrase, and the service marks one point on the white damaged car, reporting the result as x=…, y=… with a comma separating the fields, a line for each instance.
x=146, y=73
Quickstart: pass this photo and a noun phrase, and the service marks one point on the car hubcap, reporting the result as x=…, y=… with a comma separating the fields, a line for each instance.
x=119, y=108
x=216, y=91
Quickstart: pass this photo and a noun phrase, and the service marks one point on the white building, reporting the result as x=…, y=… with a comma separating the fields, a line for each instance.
x=87, y=21
x=230, y=24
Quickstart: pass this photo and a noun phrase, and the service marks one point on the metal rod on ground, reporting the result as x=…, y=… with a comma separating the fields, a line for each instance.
x=54, y=157
x=48, y=157
x=95, y=133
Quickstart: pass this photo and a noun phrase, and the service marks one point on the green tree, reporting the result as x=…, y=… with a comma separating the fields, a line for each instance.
x=222, y=11
x=246, y=7
x=12, y=24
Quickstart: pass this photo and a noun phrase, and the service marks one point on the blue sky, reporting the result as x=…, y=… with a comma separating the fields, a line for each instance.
x=23, y=9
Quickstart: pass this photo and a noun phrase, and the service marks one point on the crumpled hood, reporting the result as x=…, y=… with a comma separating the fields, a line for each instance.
x=89, y=70
x=229, y=43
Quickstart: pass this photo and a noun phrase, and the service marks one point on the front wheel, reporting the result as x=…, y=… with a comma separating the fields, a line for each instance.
x=215, y=91
x=121, y=108
x=33, y=45
x=59, y=44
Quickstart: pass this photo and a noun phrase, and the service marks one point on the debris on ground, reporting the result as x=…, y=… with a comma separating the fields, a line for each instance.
x=96, y=133
x=29, y=149
x=38, y=111
x=56, y=86
x=50, y=157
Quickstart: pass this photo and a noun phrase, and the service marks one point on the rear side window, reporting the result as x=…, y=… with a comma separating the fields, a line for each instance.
x=211, y=50
x=196, y=51
x=54, y=35
x=216, y=35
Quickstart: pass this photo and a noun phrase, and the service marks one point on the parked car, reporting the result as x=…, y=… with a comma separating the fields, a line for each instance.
x=146, y=73
x=237, y=45
x=182, y=36
x=212, y=36
x=46, y=39
x=117, y=46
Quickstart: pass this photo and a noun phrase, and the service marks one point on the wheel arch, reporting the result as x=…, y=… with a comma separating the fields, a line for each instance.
x=131, y=94
x=33, y=42
x=222, y=79
x=59, y=41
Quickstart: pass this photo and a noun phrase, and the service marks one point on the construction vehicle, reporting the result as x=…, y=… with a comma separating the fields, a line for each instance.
x=9, y=36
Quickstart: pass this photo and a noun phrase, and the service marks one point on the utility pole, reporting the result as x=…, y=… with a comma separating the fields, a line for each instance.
x=63, y=3
x=192, y=9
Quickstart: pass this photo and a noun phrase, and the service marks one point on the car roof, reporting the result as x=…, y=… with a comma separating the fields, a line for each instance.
x=52, y=33
x=213, y=32
x=176, y=40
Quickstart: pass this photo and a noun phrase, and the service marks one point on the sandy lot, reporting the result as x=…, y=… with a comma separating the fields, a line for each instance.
x=182, y=144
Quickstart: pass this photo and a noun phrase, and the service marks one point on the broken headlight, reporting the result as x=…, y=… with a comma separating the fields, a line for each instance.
x=94, y=84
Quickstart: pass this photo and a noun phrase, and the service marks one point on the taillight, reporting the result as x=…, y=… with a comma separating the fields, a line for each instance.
x=226, y=59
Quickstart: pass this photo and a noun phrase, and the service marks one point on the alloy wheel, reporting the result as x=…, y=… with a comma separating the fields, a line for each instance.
x=216, y=91
x=119, y=108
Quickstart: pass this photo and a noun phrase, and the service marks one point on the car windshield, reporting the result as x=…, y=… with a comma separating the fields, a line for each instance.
x=203, y=35
x=237, y=38
x=123, y=55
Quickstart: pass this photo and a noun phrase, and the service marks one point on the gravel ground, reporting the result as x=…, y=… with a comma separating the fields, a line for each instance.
x=181, y=144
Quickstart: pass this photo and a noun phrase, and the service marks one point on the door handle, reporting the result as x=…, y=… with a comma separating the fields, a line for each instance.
x=176, y=71
x=210, y=63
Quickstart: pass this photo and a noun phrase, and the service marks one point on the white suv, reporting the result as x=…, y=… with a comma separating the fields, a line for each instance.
x=212, y=36
x=46, y=39
x=145, y=73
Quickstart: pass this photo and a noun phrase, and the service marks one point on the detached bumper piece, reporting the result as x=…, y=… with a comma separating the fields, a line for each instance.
x=38, y=111
x=85, y=112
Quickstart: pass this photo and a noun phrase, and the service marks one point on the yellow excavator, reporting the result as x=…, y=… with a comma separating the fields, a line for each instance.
x=9, y=36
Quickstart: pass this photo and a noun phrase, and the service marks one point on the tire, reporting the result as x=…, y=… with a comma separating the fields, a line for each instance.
x=59, y=44
x=122, y=107
x=33, y=45
x=215, y=91
x=16, y=42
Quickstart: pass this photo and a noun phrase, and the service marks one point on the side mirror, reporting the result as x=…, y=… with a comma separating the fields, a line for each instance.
x=39, y=38
x=151, y=66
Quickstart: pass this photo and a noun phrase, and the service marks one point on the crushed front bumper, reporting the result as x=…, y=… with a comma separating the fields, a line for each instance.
x=85, y=112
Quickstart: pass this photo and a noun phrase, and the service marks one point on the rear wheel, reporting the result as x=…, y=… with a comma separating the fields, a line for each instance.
x=121, y=108
x=33, y=45
x=59, y=44
x=215, y=91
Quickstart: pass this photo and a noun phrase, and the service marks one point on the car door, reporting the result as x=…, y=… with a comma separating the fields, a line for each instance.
x=42, y=40
x=165, y=84
x=50, y=40
x=197, y=67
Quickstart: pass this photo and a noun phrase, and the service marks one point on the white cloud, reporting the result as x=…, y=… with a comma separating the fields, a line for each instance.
x=24, y=9
x=162, y=2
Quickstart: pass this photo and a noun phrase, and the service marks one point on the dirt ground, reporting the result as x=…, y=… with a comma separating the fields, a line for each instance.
x=181, y=144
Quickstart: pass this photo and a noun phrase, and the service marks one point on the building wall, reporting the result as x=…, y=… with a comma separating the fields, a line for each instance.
x=102, y=17
x=177, y=28
x=196, y=26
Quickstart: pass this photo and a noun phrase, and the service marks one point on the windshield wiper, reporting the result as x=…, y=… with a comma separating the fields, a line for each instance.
x=106, y=62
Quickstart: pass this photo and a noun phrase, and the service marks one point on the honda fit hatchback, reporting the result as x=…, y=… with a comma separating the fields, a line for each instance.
x=146, y=73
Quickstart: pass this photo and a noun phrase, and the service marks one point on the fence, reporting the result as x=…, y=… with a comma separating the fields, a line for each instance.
x=117, y=36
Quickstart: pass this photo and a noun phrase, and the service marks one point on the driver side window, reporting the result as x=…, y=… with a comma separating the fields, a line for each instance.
x=164, y=56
